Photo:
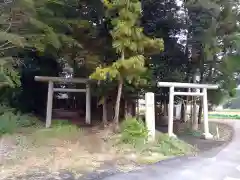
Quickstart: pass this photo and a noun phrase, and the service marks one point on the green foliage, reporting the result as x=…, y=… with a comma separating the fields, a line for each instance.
x=165, y=146
x=117, y=40
x=129, y=41
x=53, y=24
x=11, y=121
x=64, y=129
x=134, y=64
x=27, y=120
x=10, y=76
x=232, y=93
x=133, y=131
x=61, y=122
x=13, y=39
x=224, y=116
x=170, y=146
x=215, y=97
x=60, y=129
x=10, y=42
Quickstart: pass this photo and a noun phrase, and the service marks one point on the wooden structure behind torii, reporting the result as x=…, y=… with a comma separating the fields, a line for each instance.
x=51, y=90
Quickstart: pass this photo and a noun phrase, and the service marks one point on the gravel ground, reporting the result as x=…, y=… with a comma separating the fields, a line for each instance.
x=22, y=158
x=222, y=133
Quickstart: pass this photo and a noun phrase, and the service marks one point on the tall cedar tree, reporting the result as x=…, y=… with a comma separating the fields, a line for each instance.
x=130, y=43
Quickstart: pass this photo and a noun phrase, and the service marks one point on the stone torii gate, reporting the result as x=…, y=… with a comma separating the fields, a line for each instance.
x=203, y=94
x=51, y=90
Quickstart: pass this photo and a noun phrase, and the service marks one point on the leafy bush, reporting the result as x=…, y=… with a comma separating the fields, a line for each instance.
x=10, y=121
x=133, y=131
x=27, y=120
x=6, y=109
x=170, y=146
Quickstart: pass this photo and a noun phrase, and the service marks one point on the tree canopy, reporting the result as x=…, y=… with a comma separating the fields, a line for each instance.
x=126, y=46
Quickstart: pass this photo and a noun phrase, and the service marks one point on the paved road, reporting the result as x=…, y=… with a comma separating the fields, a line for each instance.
x=213, y=165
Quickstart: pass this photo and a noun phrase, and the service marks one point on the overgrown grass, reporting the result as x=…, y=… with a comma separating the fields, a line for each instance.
x=61, y=130
x=134, y=134
x=167, y=146
x=170, y=146
x=10, y=122
x=224, y=116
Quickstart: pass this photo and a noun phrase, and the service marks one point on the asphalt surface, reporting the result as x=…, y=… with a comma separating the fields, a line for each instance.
x=222, y=163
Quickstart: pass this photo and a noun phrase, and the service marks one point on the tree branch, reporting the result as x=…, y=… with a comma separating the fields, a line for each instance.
x=6, y=48
x=1, y=46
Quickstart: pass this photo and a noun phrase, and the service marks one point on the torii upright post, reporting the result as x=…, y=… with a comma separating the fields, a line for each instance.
x=49, y=104
x=88, y=104
x=172, y=93
x=170, y=111
x=205, y=112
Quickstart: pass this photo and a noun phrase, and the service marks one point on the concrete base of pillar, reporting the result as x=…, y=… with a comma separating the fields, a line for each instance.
x=207, y=136
x=173, y=135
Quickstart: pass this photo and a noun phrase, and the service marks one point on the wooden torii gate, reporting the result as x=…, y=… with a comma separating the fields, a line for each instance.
x=51, y=90
x=203, y=94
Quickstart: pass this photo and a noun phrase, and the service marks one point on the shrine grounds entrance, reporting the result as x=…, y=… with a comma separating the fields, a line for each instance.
x=198, y=90
x=51, y=90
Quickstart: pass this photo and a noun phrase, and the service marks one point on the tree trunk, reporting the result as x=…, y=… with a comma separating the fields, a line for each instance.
x=165, y=108
x=134, y=108
x=126, y=109
x=183, y=112
x=200, y=100
x=191, y=113
x=194, y=115
x=104, y=117
x=188, y=120
x=161, y=107
x=130, y=109
x=200, y=112
x=117, y=106
x=138, y=111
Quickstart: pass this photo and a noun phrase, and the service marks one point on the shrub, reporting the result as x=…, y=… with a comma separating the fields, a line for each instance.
x=6, y=109
x=10, y=121
x=170, y=146
x=27, y=120
x=133, y=131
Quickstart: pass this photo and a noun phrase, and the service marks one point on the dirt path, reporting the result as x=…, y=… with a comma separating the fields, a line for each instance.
x=222, y=134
